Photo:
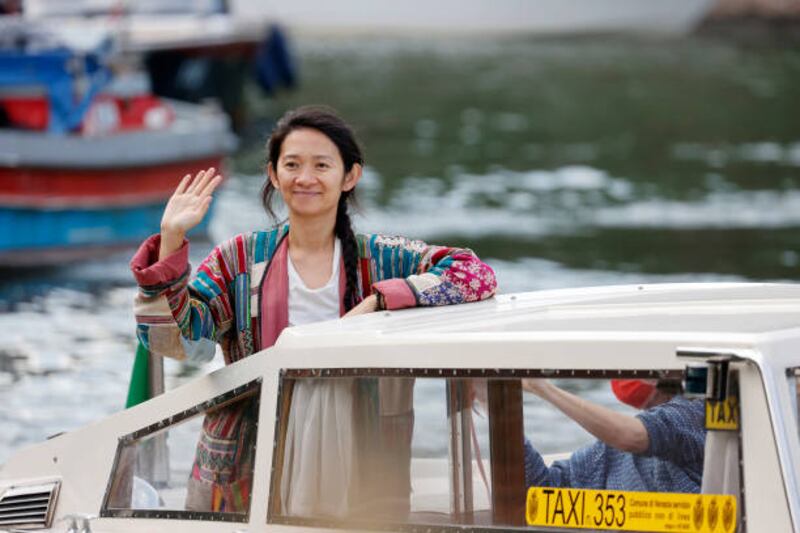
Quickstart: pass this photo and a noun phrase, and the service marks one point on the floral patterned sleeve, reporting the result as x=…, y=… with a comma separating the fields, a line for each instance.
x=411, y=273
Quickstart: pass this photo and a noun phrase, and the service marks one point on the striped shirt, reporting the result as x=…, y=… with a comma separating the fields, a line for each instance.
x=672, y=463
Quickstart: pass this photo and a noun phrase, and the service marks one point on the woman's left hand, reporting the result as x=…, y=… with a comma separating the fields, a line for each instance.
x=367, y=305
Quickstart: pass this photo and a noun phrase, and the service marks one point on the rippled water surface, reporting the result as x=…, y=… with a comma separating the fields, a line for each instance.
x=563, y=163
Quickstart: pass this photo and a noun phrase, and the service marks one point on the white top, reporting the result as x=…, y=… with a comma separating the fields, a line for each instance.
x=314, y=305
x=320, y=418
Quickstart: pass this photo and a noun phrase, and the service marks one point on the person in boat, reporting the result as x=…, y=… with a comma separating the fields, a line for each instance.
x=659, y=450
x=256, y=284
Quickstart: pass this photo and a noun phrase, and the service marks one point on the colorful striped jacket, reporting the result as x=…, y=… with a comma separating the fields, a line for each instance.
x=180, y=318
x=221, y=304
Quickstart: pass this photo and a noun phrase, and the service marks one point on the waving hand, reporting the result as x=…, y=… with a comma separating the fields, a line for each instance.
x=186, y=208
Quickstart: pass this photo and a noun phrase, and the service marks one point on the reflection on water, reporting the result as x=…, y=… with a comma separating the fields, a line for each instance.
x=564, y=163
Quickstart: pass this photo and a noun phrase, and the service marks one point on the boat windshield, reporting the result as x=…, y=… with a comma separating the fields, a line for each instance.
x=197, y=464
x=478, y=447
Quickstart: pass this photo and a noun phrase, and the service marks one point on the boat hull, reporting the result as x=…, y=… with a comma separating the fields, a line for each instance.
x=66, y=198
x=52, y=235
x=50, y=189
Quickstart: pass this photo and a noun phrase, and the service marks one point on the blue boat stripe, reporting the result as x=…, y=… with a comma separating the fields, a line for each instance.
x=64, y=228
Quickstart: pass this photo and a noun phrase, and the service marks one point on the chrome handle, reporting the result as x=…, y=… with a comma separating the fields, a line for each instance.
x=78, y=523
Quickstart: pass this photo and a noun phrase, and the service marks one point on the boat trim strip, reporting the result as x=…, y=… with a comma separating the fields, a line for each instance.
x=507, y=373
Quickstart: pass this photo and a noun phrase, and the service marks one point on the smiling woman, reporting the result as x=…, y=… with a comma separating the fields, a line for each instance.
x=256, y=284
x=314, y=162
x=309, y=173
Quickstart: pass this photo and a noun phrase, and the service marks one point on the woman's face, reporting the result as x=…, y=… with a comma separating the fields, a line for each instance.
x=310, y=173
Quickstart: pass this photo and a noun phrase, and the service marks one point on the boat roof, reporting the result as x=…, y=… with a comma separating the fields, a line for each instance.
x=723, y=310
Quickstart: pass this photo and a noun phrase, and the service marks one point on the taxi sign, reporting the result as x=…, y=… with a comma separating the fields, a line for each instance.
x=616, y=510
x=723, y=415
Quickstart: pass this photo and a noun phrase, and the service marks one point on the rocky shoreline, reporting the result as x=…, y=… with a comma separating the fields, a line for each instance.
x=752, y=28
x=754, y=21
x=764, y=9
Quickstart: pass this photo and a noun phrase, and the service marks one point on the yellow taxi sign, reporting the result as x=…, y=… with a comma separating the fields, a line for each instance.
x=723, y=415
x=615, y=510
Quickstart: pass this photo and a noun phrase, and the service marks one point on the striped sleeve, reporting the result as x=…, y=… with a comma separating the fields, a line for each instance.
x=182, y=318
x=412, y=273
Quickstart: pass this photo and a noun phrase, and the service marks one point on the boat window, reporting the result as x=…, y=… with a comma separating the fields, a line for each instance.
x=197, y=464
x=453, y=448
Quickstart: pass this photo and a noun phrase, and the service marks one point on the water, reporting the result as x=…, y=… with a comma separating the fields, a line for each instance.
x=562, y=162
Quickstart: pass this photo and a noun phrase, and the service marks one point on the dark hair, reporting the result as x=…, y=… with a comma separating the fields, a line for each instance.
x=326, y=121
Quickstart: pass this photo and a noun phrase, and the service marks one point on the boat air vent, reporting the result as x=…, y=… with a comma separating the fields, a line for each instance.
x=28, y=506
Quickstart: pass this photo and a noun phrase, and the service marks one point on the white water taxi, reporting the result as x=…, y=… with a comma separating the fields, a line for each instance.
x=404, y=443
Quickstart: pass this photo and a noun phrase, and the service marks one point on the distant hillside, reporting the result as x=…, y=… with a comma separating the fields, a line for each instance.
x=758, y=8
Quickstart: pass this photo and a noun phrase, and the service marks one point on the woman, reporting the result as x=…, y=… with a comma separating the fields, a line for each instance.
x=254, y=285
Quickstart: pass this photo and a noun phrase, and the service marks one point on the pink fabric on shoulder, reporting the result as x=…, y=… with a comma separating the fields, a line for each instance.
x=275, y=296
x=149, y=271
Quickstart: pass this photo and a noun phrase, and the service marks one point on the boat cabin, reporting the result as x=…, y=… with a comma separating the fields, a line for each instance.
x=420, y=420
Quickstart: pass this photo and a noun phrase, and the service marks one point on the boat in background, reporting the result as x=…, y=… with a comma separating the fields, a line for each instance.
x=347, y=17
x=88, y=156
x=192, y=49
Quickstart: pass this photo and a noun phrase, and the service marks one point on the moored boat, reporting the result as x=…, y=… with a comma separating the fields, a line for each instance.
x=88, y=157
x=192, y=49
x=535, y=17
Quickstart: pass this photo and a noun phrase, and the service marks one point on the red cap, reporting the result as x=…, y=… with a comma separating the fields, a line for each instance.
x=634, y=392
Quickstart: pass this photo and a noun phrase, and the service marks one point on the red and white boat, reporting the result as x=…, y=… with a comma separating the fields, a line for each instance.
x=87, y=158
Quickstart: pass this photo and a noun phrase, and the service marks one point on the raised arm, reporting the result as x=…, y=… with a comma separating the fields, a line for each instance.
x=176, y=318
x=620, y=431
